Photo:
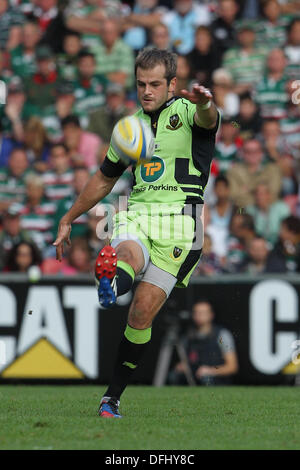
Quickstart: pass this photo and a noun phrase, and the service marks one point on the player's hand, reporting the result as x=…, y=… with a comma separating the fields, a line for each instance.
x=203, y=371
x=198, y=95
x=63, y=235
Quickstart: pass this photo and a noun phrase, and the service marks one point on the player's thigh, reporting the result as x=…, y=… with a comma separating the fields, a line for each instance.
x=147, y=301
x=129, y=240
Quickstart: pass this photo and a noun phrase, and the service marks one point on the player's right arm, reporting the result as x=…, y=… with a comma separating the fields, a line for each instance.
x=95, y=190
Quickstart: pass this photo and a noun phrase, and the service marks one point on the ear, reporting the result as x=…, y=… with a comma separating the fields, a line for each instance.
x=172, y=85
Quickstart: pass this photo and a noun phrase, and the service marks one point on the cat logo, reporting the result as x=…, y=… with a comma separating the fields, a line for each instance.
x=174, y=123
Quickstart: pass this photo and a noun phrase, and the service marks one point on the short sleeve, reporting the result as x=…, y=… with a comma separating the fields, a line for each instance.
x=112, y=166
x=226, y=341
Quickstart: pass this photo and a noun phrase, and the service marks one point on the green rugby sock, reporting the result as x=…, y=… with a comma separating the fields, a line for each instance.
x=125, y=277
x=131, y=350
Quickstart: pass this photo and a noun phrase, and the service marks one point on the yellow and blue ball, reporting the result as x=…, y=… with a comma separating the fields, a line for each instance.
x=133, y=139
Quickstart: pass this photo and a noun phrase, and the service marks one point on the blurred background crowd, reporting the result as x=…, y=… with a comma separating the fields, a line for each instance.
x=67, y=76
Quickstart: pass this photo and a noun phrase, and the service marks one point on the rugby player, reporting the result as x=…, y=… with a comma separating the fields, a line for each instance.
x=167, y=195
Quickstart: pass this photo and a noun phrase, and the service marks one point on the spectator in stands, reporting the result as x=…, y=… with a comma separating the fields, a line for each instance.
x=226, y=150
x=204, y=57
x=210, y=263
x=292, y=49
x=67, y=60
x=256, y=260
x=241, y=232
x=290, y=126
x=137, y=24
x=11, y=20
x=114, y=58
x=22, y=256
x=102, y=121
x=59, y=178
x=270, y=92
x=37, y=212
x=79, y=227
x=86, y=18
x=285, y=256
x=183, y=74
x=159, y=36
x=11, y=232
x=245, y=62
x=222, y=86
x=78, y=258
x=273, y=142
x=267, y=215
x=278, y=150
x=83, y=146
x=64, y=105
x=36, y=144
x=220, y=215
x=7, y=144
x=22, y=58
x=210, y=349
x=248, y=117
x=12, y=178
x=245, y=176
x=271, y=29
x=40, y=89
x=223, y=26
x=89, y=87
x=14, y=111
x=51, y=23
x=182, y=22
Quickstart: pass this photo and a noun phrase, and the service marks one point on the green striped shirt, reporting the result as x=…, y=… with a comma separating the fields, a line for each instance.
x=272, y=97
x=120, y=59
x=58, y=186
x=11, y=187
x=245, y=67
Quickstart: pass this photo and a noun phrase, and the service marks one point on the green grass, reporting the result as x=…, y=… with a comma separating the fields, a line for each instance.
x=51, y=417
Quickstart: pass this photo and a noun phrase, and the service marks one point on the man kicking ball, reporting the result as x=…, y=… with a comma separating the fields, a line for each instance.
x=168, y=200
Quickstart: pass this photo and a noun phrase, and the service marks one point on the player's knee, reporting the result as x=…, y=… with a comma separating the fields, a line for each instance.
x=128, y=255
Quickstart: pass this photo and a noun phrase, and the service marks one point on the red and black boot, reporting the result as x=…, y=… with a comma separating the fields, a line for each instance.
x=105, y=276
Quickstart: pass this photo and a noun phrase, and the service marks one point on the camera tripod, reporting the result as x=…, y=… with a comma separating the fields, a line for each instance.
x=171, y=341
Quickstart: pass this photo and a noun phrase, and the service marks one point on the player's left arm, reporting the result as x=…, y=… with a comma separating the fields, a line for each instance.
x=206, y=114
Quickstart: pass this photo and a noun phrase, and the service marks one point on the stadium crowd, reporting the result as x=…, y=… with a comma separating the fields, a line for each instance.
x=67, y=76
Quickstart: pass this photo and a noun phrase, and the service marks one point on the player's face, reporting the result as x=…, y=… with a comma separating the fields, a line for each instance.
x=152, y=87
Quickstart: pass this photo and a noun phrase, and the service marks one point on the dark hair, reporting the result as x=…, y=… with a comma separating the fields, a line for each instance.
x=221, y=179
x=248, y=222
x=85, y=53
x=291, y=24
x=59, y=144
x=292, y=223
x=246, y=96
x=71, y=119
x=71, y=32
x=11, y=263
x=149, y=57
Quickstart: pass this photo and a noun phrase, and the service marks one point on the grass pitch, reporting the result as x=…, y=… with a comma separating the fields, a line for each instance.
x=169, y=418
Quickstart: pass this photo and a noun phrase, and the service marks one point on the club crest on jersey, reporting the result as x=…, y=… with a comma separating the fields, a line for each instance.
x=174, y=123
x=177, y=252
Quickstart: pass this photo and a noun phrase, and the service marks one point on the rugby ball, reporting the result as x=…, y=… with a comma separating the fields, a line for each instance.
x=133, y=140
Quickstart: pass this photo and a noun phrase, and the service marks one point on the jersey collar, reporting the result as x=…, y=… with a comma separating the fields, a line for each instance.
x=163, y=106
